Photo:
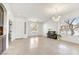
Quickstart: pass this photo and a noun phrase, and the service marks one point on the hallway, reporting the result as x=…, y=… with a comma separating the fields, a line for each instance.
x=41, y=46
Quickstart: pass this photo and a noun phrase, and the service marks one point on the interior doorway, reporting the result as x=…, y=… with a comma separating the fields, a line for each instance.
x=3, y=21
x=1, y=29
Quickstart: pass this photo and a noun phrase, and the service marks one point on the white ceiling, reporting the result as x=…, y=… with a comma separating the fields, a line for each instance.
x=41, y=11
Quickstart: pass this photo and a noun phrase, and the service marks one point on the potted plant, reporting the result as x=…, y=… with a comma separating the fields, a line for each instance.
x=59, y=36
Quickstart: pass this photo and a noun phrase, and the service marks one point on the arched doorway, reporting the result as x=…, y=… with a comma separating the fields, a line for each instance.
x=2, y=35
x=1, y=20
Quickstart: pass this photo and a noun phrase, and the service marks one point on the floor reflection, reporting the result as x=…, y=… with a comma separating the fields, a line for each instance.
x=34, y=42
x=42, y=46
x=62, y=46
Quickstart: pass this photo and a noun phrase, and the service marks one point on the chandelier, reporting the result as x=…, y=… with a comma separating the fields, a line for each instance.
x=55, y=16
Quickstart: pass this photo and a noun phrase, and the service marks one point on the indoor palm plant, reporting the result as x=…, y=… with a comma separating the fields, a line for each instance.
x=59, y=36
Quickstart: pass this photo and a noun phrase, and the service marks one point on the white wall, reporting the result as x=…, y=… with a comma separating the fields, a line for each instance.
x=65, y=37
x=49, y=25
x=40, y=29
x=18, y=28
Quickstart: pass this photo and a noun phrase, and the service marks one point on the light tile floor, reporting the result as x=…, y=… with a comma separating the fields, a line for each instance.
x=41, y=46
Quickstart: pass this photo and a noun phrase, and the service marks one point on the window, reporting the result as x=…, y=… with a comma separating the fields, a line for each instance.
x=76, y=26
x=71, y=27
